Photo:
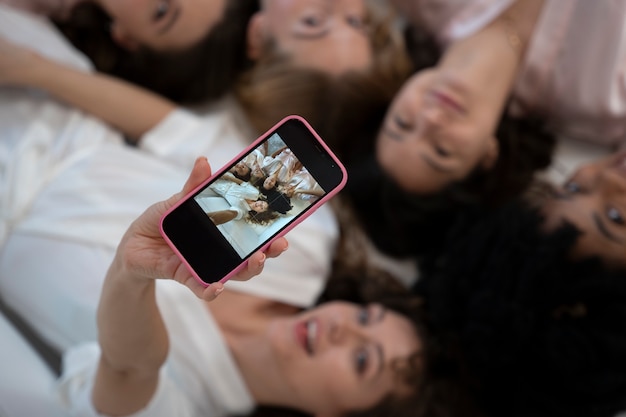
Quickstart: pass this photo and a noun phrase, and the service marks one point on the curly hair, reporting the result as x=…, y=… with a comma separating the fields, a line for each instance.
x=434, y=374
x=204, y=71
x=263, y=217
x=542, y=334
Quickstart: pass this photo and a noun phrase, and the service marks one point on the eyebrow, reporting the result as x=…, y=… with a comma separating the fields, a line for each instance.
x=379, y=348
x=392, y=134
x=434, y=165
x=313, y=36
x=603, y=229
x=173, y=19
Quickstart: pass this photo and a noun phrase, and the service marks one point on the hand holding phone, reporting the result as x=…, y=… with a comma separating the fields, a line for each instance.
x=274, y=184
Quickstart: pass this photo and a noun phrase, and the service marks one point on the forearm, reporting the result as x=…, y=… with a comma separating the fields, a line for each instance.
x=129, y=108
x=133, y=340
x=313, y=191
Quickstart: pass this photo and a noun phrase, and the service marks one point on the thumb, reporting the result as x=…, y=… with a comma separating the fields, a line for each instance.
x=200, y=172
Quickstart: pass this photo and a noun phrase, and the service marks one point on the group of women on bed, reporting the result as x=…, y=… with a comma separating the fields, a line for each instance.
x=447, y=114
x=260, y=188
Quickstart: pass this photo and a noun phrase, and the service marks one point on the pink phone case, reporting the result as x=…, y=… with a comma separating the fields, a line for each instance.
x=313, y=208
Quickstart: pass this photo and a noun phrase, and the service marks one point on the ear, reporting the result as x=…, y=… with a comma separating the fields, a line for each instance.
x=256, y=36
x=121, y=37
x=491, y=156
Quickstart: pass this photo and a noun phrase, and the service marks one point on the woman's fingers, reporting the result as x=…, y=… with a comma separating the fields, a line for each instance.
x=277, y=247
x=200, y=172
x=256, y=262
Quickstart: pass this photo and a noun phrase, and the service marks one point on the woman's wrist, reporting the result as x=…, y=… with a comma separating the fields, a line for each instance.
x=123, y=271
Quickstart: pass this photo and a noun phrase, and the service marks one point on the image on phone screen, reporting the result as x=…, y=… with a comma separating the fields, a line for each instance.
x=257, y=197
x=274, y=184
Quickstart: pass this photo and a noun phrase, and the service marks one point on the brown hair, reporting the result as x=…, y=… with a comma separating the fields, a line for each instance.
x=201, y=72
x=275, y=88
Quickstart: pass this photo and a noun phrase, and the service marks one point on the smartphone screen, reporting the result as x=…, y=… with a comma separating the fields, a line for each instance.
x=260, y=195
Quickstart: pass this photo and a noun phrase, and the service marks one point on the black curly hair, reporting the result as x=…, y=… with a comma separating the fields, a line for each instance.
x=205, y=71
x=543, y=335
x=435, y=373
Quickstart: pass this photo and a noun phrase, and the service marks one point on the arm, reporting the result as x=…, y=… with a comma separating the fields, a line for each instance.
x=315, y=192
x=222, y=216
x=132, y=334
x=278, y=151
x=129, y=108
x=229, y=176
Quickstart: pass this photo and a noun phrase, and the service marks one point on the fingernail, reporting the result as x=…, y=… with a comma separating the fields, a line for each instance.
x=262, y=260
x=219, y=291
x=286, y=247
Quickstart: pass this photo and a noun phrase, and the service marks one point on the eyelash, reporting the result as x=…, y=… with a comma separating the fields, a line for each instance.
x=401, y=124
x=312, y=21
x=356, y=22
x=612, y=213
x=441, y=151
x=364, y=316
x=573, y=188
x=361, y=361
x=362, y=355
x=615, y=216
x=162, y=9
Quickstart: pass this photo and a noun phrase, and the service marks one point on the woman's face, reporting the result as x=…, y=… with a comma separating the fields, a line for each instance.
x=330, y=35
x=257, y=172
x=259, y=206
x=162, y=24
x=434, y=134
x=594, y=200
x=342, y=356
x=269, y=183
x=241, y=169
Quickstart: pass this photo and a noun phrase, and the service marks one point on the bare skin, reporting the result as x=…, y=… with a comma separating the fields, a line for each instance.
x=441, y=125
x=128, y=371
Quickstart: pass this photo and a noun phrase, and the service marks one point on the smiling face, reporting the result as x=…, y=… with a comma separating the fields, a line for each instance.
x=241, y=169
x=594, y=200
x=330, y=35
x=341, y=356
x=259, y=206
x=269, y=183
x=162, y=25
x=435, y=134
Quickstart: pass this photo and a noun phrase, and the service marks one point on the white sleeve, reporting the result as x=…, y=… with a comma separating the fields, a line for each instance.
x=180, y=138
x=39, y=34
x=76, y=385
x=569, y=155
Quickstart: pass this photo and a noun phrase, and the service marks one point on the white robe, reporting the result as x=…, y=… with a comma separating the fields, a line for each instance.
x=69, y=188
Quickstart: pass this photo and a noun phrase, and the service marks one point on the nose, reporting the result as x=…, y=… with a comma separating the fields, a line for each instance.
x=343, y=331
x=433, y=116
x=429, y=121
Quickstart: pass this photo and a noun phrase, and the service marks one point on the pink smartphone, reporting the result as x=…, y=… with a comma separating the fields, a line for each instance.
x=274, y=184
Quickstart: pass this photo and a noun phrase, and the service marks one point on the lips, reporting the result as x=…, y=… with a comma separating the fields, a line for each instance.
x=306, y=334
x=447, y=101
